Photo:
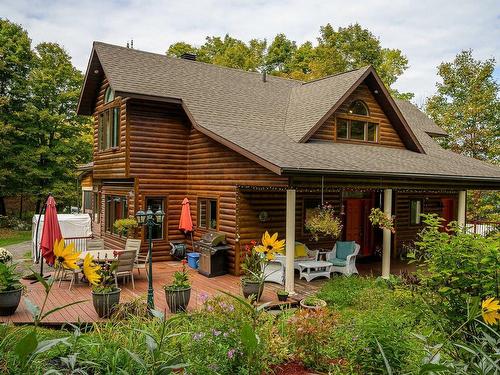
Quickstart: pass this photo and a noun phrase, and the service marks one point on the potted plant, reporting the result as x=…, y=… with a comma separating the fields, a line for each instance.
x=179, y=292
x=11, y=289
x=126, y=227
x=255, y=262
x=105, y=294
x=312, y=303
x=282, y=295
x=379, y=218
x=323, y=222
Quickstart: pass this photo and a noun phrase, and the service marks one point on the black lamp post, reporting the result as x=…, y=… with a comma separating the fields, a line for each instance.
x=150, y=219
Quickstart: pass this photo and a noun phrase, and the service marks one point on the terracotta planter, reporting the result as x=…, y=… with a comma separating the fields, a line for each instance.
x=178, y=299
x=105, y=302
x=250, y=287
x=319, y=304
x=9, y=301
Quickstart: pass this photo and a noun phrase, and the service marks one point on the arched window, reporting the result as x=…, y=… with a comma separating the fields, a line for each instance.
x=109, y=95
x=358, y=107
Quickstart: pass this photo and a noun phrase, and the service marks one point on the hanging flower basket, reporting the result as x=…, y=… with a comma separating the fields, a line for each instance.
x=324, y=223
x=379, y=218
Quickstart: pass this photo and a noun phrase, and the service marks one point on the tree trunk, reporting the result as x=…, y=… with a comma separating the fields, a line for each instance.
x=21, y=207
x=2, y=207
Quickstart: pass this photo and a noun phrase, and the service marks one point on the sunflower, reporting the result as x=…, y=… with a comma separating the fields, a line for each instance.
x=270, y=245
x=90, y=270
x=66, y=256
x=491, y=310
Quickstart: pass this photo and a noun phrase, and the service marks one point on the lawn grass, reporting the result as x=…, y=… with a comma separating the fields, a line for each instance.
x=11, y=237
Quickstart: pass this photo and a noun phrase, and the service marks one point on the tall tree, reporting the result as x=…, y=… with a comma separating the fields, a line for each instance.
x=15, y=63
x=58, y=138
x=467, y=106
x=337, y=51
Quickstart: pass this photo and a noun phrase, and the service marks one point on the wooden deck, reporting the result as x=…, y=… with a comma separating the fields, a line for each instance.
x=162, y=273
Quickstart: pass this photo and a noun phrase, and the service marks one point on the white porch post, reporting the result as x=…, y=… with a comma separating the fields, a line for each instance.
x=386, y=245
x=462, y=199
x=290, y=240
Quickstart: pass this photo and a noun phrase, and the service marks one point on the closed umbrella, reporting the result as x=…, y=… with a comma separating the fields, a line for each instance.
x=186, y=223
x=50, y=232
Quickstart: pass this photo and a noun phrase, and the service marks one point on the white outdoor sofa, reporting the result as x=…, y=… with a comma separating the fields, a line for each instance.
x=275, y=269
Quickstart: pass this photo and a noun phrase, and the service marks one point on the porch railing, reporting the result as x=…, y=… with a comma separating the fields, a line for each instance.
x=482, y=228
x=80, y=242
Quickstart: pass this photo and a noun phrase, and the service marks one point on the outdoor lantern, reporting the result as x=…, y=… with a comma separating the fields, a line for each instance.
x=141, y=216
x=149, y=213
x=159, y=216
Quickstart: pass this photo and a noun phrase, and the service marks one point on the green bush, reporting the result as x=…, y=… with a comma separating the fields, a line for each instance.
x=455, y=267
x=369, y=311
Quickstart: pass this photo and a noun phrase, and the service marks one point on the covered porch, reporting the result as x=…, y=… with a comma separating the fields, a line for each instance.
x=285, y=210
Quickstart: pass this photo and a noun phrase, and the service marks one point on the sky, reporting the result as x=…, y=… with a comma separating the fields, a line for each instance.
x=428, y=32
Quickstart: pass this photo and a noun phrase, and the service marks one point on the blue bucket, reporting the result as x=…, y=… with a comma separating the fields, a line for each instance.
x=193, y=259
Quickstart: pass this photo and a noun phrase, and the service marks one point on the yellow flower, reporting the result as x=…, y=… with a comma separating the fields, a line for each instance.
x=490, y=310
x=66, y=256
x=90, y=270
x=270, y=245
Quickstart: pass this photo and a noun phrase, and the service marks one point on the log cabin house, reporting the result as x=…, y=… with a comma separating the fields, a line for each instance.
x=255, y=152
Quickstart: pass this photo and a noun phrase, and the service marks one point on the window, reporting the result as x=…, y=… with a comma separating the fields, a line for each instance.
x=109, y=95
x=207, y=213
x=116, y=208
x=109, y=128
x=415, y=211
x=357, y=130
x=358, y=107
x=87, y=200
x=97, y=207
x=156, y=204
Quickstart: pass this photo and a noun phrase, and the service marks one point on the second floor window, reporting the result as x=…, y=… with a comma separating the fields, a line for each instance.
x=109, y=128
x=357, y=130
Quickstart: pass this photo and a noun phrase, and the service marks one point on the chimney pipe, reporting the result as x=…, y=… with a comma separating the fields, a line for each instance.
x=264, y=76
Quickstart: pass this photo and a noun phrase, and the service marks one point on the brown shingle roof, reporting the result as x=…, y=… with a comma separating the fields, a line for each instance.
x=269, y=119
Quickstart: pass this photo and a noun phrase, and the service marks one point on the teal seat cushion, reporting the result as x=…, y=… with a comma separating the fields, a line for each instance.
x=344, y=249
x=338, y=262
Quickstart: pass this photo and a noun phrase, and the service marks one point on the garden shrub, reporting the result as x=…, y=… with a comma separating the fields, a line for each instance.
x=454, y=267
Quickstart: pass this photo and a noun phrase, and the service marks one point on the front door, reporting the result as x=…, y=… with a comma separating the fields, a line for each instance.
x=448, y=211
x=357, y=226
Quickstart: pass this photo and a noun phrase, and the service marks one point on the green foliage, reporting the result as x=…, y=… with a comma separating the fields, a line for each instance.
x=455, y=267
x=379, y=218
x=42, y=138
x=338, y=50
x=180, y=279
x=252, y=264
x=9, y=277
x=107, y=281
x=323, y=222
x=124, y=226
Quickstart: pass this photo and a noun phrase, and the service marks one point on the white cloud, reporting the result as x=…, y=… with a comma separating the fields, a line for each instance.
x=428, y=32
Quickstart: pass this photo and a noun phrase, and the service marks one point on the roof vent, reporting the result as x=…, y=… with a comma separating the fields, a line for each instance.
x=264, y=76
x=188, y=56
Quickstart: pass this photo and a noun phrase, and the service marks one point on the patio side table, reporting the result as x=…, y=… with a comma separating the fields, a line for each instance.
x=311, y=269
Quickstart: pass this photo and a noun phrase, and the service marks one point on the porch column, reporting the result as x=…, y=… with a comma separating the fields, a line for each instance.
x=386, y=244
x=462, y=201
x=290, y=240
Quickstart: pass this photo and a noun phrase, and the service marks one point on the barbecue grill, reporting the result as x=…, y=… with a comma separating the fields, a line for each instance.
x=213, y=254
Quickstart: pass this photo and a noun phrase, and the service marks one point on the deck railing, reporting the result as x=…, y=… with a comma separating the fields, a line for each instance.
x=482, y=228
x=80, y=242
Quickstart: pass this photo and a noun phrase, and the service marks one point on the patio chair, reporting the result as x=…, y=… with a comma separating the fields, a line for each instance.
x=125, y=266
x=309, y=255
x=63, y=273
x=275, y=272
x=343, y=257
x=95, y=244
x=140, y=259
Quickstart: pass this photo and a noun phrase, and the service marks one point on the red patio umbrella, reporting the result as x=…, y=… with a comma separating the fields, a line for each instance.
x=50, y=232
x=186, y=223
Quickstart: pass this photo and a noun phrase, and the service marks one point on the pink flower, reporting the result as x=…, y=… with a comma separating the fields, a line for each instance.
x=203, y=297
x=231, y=353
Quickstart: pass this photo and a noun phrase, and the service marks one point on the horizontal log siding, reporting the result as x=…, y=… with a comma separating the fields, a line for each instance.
x=214, y=171
x=110, y=163
x=387, y=134
x=158, y=162
x=405, y=232
x=251, y=203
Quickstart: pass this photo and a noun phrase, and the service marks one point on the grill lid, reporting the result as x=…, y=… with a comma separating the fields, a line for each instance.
x=213, y=238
